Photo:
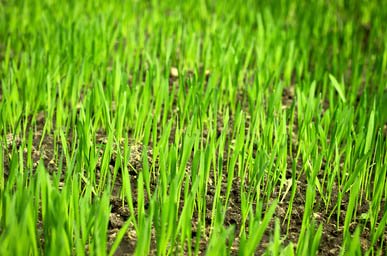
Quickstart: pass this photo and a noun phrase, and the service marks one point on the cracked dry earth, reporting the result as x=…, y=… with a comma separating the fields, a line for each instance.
x=43, y=148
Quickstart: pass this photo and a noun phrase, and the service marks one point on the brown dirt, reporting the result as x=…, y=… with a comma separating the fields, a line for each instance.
x=44, y=148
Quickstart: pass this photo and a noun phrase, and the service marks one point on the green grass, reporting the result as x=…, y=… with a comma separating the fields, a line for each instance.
x=271, y=139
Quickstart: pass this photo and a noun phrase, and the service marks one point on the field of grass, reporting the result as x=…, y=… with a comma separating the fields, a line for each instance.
x=193, y=128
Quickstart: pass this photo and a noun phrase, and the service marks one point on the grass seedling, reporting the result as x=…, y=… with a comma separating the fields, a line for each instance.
x=190, y=128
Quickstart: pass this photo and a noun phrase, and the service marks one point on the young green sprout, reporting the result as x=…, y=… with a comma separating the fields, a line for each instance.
x=193, y=128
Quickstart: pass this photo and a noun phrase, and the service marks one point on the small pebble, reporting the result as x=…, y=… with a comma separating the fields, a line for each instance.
x=174, y=72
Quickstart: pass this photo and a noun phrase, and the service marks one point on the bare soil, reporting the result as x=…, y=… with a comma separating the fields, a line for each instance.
x=43, y=148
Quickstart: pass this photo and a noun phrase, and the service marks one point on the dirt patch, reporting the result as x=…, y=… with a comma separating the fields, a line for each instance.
x=48, y=148
x=332, y=234
x=288, y=96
